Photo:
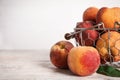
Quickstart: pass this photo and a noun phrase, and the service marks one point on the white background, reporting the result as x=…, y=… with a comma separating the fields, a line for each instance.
x=38, y=24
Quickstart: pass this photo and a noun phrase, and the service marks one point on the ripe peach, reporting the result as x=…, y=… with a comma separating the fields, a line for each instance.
x=88, y=37
x=59, y=52
x=108, y=16
x=109, y=41
x=83, y=60
x=90, y=14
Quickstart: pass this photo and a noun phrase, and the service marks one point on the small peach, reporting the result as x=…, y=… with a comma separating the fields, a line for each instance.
x=59, y=52
x=90, y=14
x=88, y=37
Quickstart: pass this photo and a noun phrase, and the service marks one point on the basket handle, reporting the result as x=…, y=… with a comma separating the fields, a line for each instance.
x=70, y=35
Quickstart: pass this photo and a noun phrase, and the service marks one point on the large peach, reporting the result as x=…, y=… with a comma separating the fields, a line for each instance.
x=83, y=60
x=108, y=46
x=108, y=16
x=59, y=52
x=87, y=37
x=90, y=14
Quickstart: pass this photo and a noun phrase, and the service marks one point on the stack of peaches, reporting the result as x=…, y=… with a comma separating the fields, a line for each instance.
x=95, y=47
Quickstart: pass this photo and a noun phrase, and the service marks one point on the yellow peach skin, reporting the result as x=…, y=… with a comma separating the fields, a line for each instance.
x=83, y=60
x=112, y=42
x=108, y=16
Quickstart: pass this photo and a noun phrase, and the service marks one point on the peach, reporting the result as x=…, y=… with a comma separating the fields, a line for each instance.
x=108, y=16
x=88, y=37
x=109, y=42
x=90, y=14
x=83, y=60
x=59, y=52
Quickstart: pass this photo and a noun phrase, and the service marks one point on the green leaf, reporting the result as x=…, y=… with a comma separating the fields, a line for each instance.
x=109, y=71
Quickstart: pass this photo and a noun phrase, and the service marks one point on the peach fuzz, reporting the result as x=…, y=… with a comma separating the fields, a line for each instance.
x=83, y=60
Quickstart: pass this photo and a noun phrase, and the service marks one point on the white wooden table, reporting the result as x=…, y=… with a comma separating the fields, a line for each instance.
x=35, y=65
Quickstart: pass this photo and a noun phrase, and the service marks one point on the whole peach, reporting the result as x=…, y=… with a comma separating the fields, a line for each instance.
x=88, y=37
x=108, y=16
x=90, y=14
x=59, y=52
x=109, y=42
x=83, y=60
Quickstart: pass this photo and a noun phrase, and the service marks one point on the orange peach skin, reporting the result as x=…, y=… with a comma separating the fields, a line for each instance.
x=104, y=42
x=90, y=14
x=108, y=16
x=83, y=60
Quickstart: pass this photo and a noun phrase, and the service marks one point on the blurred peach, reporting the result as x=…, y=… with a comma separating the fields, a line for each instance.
x=90, y=14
